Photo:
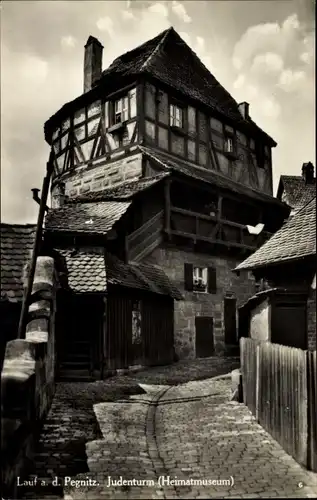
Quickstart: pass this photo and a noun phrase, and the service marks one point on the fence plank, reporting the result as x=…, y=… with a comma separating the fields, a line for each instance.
x=279, y=387
x=312, y=410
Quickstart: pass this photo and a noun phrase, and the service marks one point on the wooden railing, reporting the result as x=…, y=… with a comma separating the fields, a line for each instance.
x=279, y=387
x=145, y=237
x=213, y=229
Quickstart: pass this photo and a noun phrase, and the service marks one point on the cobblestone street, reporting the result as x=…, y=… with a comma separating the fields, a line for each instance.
x=162, y=423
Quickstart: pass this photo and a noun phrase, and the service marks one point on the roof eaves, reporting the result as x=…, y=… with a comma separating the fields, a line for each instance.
x=282, y=260
x=199, y=169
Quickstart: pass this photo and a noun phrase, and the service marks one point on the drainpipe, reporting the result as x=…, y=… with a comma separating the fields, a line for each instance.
x=35, y=194
x=35, y=250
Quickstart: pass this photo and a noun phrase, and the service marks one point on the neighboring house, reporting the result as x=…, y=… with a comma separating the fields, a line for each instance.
x=111, y=315
x=156, y=162
x=298, y=190
x=285, y=313
x=16, y=246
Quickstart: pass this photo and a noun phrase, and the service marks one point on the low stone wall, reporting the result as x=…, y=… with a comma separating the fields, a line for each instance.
x=27, y=380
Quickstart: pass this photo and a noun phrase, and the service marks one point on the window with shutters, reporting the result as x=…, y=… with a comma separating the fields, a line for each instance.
x=200, y=279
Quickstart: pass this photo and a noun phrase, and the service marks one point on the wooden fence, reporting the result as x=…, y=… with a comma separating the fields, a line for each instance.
x=279, y=387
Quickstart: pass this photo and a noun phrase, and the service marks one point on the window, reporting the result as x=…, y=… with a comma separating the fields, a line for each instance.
x=200, y=278
x=229, y=146
x=121, y=110
x=176, y=116
x=136, y=323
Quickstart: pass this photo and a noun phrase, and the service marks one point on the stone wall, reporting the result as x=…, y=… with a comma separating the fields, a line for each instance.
x=311, y=321
x=27, y=379
x=100, y=175
x=201, y=304
x=260, y=322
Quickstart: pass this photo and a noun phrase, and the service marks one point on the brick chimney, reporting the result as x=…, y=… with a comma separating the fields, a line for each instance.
x=92, y=62
x=308, y=172
x=244, y=109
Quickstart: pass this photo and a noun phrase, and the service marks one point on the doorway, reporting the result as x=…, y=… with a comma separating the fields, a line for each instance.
x=79, y=327
x=230, y=321
x=204, y=326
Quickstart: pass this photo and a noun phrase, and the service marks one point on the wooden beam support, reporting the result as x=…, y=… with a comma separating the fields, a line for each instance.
x=214, y=241
x=167, y=213
x=196, y=229
x=219, y=207
x=126, y=249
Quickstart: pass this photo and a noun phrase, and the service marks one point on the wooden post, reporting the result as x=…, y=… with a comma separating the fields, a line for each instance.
x=167, y=196
x=219, y=207
x=35, y=250
x=126, y=248
x=257, y=381
x=196, y=228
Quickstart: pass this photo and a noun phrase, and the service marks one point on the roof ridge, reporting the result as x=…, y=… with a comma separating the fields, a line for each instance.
x=158, y=47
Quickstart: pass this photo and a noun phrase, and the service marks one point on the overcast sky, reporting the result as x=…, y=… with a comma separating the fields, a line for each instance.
x=260, y=51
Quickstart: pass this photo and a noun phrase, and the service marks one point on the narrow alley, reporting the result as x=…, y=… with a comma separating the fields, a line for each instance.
x=169, y=432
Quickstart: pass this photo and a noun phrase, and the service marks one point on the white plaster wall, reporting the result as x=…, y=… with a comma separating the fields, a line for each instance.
x=260, y=328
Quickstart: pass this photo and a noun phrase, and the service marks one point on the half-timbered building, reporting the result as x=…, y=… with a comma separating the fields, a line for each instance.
x=184, y=172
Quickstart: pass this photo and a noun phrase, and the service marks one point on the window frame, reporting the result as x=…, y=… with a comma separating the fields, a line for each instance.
x=229, y=151
x=172, y=120
x=200, y=279
x=123, y=111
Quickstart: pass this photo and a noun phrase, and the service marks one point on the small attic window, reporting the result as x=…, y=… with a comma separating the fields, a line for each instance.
x=121, y=110
x=118, y=114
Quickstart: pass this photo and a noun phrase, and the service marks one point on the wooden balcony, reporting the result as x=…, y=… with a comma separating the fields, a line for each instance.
x=213, y=229
x=193, y=226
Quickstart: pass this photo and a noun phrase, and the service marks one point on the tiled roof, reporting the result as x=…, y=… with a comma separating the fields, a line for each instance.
x=91, y=271
x=121, y=192
x=97, y=218
x=156, y=276
x=143, y=276
x=170, y=60
x=297, y=192
x=119, y=273
x=295, y=240
x=16, y=247
x=203, y=174
x=86, y=271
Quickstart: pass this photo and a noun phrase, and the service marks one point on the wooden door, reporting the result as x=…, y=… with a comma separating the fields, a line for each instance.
x=204, y=326
x=230, y=307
